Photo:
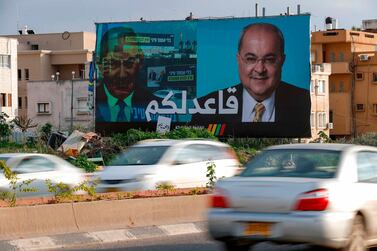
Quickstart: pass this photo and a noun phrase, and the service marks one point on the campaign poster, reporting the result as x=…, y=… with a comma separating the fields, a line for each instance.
x=236, y=77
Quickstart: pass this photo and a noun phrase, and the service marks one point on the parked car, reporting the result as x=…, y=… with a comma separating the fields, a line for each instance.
x=39, y=168
x=181, y=163
x=319, y=194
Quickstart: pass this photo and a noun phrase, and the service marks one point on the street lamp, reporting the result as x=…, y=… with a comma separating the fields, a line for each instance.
x=73, y=77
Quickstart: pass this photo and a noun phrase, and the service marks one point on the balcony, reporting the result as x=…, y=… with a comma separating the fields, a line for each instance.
x=340, y=68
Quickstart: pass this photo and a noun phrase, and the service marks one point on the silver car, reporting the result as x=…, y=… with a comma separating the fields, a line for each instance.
x=180, y=163
x=39, y=168
x=319, y=194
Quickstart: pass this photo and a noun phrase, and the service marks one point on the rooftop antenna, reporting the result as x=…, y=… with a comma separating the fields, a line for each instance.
x=256, y=9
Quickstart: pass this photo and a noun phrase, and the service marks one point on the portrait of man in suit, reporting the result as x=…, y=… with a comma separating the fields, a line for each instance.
x=119, y=95
x=266, y=104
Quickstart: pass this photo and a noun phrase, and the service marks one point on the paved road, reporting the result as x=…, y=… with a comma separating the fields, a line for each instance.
x=189, y=242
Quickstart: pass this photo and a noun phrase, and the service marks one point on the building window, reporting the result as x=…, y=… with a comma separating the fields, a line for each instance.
x=321, y=120
x=341, y=56
x=341, y=86
x=374, y=107
x=82, y=104
x=360, y=107
x=10, y=100
x=34, y=47
x=312, y=117
x=20, y=102
x=321, y=87
x=19, y=74
x=359, y=76
x=332, y=57
x=26, y=74
x=331, y=117
x=43, y=108
x=374, y=77
x=3, y=100
x=5, y=61
x=332, y=87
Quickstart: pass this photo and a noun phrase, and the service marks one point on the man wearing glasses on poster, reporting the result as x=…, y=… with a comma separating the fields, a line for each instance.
x=263, y=99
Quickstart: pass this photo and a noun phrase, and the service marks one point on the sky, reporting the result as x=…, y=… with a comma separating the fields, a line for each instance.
x=50, y=16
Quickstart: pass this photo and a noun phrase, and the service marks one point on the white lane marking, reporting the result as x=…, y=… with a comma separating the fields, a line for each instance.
x=188, y=228
x=41, y=243
x=111, y=235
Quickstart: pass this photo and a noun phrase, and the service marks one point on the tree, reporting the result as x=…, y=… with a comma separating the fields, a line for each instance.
x=4, y=126
x=24, y=123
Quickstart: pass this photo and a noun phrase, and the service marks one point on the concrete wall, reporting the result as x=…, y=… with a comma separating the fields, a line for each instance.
x=28, y=221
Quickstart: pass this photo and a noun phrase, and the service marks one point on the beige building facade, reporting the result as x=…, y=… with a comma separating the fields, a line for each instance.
x=8, y=77
x=52, y=102
x=43, y=57
x=319, y=94
x=341, y=49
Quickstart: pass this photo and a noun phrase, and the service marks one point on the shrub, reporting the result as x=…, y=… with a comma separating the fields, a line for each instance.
x=83, y=163
x=45, y=132
x=369, y=139
x=4, y=127
x=188, y=132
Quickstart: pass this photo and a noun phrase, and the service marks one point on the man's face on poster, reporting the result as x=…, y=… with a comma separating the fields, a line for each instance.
x=260, y=60
x=121, y=66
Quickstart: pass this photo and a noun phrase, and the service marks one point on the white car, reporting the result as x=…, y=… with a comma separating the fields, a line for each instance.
x=181, y=163
x=39, y=168
x=319, y=194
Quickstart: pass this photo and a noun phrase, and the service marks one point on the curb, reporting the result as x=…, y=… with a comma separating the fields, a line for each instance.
x=98, y=237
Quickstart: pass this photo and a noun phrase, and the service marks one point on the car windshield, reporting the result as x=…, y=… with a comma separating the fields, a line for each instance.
x=140, y=155
x=306, y=163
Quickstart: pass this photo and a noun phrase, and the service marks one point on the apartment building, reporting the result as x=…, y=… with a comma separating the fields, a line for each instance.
x=8, y=76
x=342, y=49
x=366, y=95
x=43, y=57
x=319, y=94
x=45, y=66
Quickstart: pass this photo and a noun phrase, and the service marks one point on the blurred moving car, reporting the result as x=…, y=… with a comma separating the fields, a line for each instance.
x=39, y=168
x=181, y=163
x=319, y=194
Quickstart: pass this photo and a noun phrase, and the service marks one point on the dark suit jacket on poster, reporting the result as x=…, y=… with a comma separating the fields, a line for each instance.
x=292, y=114
x=140, y=100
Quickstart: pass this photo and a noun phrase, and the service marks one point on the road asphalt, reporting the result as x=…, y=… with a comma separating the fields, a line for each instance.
x=98, y=237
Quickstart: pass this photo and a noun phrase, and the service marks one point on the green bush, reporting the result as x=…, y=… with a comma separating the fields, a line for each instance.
x=45, y=132
x=83, y=163
x=189, y=133
x=256, y=143
x=369, y=139
x=4, y=127
x=122, y=140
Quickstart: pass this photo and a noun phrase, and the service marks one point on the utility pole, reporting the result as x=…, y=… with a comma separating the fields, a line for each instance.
x=71, y=126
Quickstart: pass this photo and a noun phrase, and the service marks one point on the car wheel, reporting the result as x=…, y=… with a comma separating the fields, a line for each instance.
x=236, y=246
x=356, y=241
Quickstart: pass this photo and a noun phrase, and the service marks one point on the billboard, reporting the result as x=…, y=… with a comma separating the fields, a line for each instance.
x=240, y=77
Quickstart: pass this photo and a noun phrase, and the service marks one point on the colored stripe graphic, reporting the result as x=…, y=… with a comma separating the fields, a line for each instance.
x=214, y=129
x=218, y=129
x=210, y=127
x=222, y=130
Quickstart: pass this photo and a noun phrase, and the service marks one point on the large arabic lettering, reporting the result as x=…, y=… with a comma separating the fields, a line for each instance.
x=170, y=107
